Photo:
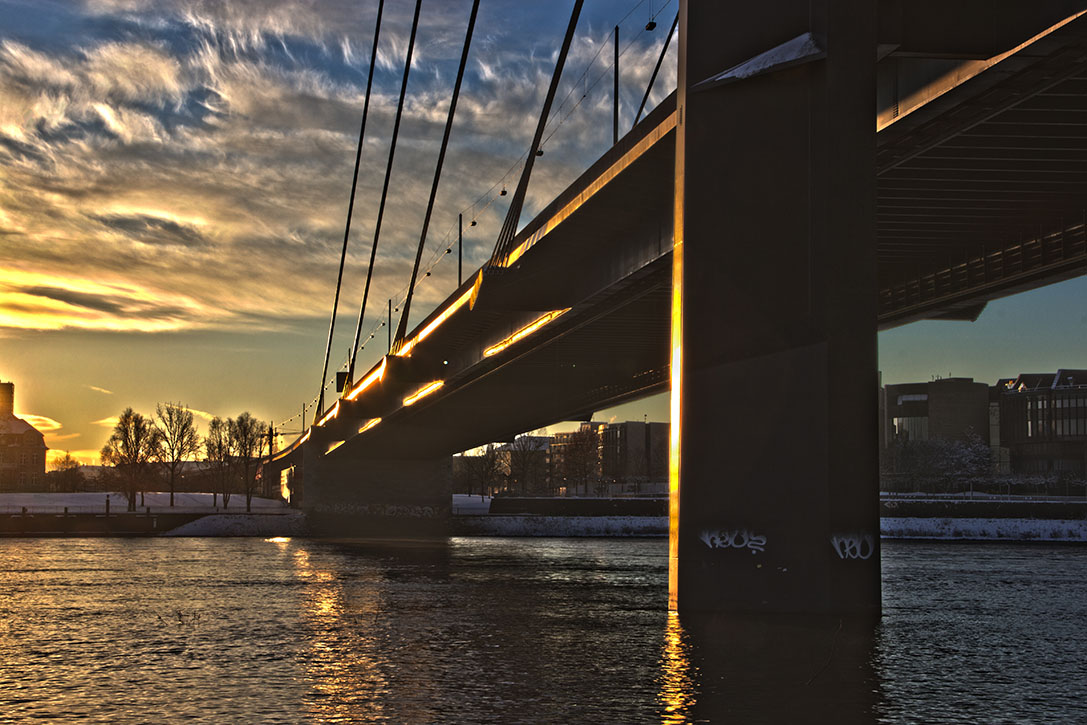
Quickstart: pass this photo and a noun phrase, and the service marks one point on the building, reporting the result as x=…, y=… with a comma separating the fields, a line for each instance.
x=22, y=448
x=946, y=409
x=611, y=459
x=1043, y=422
x=1035, y=423
x=634, y=455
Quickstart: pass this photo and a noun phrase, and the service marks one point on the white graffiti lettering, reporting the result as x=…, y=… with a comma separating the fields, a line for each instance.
x=853, y=546
x=734, y=539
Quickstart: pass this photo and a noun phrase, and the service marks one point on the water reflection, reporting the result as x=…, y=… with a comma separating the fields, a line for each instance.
x=677, y=695
x=747, y=668
x=518, y=630
x=362, y=662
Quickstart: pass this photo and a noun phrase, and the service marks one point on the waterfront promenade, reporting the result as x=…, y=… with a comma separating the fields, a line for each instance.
x=194, y=514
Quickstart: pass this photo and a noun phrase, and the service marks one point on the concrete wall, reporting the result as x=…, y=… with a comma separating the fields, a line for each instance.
x=347, y=496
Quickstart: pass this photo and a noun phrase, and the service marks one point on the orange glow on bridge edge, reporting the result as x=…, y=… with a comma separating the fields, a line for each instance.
x=332, y=413
x=423, y=392
x=676, y=364
x=407, y=347
x=591, y=190
x=284, y=487
x=369, y=424
x=524, y=332
x=375, y=375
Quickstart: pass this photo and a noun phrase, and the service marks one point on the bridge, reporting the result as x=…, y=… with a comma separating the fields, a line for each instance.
x=824, y=170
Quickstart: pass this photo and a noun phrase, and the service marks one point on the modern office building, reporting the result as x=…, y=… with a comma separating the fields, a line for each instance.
x=946, y=408
x=1043, y=421
x=1035, y=423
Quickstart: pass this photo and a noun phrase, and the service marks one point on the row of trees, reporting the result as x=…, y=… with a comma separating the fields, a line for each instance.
x=965, y=465
x=525, y=467
x=169, y=439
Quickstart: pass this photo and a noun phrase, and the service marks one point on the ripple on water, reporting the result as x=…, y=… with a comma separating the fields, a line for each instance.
x=516, y=630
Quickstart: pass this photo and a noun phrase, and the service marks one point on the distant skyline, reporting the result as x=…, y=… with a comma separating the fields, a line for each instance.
x=175, y=178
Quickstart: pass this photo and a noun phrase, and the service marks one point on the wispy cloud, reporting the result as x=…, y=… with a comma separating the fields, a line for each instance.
x=201, y=414
x=192, y=171
x=110, y=422
x=43, y=423
x=52, y=440
x=97, y=389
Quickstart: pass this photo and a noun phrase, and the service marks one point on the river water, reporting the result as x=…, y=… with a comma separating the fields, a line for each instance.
x=486, y=630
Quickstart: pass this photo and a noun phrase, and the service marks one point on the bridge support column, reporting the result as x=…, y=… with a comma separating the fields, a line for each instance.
x=774, y=395
x=347, y=495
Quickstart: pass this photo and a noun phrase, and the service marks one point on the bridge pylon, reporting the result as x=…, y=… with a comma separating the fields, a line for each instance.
x=774, y=393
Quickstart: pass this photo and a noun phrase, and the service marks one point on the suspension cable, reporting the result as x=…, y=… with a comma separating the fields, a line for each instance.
x=401, y=329
x=513, y=215
x=656, y=69
x=351, y=201
x=384, y=189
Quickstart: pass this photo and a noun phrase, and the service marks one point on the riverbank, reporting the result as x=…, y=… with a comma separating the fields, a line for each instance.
x=106, y=514
x=937, y=518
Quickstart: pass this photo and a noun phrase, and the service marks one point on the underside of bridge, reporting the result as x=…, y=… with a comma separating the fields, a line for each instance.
x=800, y=228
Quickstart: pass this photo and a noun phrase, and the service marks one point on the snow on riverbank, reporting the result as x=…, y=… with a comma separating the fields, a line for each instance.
x=292, y=523
x=156, y=500
x=948, y=529
x=502, y=525
x=982, y=529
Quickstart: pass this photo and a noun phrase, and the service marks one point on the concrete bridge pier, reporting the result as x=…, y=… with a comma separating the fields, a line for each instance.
x=345, y=494
x=774, y=391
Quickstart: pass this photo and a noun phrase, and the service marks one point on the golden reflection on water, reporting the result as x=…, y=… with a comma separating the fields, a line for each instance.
x=349, y=682
x=677, y=695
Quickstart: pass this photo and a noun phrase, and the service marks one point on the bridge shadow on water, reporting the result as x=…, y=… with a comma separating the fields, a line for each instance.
x=778, y=669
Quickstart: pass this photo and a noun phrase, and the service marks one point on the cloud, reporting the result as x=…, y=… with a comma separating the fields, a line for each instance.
x=51, y=439
x=124, y=72
x=115, y=305
x=110, y=422
x=99, y=390
x=203, y=415
x=38, y=301
x=44, y=424
x=149, y=229
x=192, y=171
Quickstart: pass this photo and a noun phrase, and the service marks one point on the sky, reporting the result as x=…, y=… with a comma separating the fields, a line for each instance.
x=174, y=177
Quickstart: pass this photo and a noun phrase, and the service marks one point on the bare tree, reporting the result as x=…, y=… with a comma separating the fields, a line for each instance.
x=527, y=462
x=219, y=451
x=66, y=474
x=130, y=449
x=485, y=469
x=581, y=458
x=249, y=437
x=179, y=440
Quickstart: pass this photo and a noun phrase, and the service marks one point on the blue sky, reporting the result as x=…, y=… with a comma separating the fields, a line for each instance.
x=175, y=177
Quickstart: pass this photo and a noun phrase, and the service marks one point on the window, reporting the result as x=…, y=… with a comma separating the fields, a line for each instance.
x=912, y=398
x=912, y=428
